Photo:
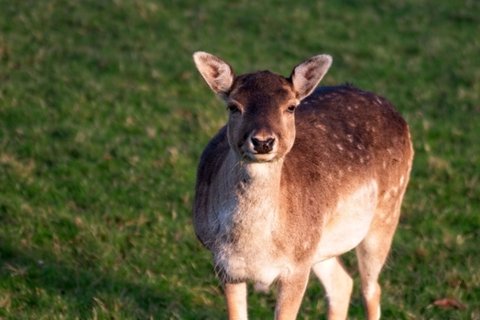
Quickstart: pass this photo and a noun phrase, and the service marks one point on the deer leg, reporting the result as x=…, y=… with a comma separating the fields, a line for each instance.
x=338, y=285
x=370, y=263
x=290, y=293
x=236, y=296
x=372, y=253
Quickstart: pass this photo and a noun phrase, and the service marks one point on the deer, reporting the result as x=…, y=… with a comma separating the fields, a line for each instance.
x=298, y=176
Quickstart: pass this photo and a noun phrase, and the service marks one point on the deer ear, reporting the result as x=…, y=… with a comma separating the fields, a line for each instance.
x=306, y=76
x=217, y=73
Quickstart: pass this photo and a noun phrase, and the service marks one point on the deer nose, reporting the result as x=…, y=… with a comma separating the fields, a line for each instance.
x=263, y=145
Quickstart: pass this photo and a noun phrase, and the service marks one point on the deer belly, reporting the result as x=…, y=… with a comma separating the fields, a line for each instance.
x=349, y=223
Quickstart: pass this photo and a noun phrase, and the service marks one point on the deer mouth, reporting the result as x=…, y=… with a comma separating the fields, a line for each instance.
x=252, y=156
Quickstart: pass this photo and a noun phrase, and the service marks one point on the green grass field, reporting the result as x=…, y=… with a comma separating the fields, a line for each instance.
x=103, y=118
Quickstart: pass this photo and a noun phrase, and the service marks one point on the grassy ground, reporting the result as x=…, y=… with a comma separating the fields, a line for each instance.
x=103, y=118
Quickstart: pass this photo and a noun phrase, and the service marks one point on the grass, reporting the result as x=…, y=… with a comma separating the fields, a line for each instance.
x=103, y=119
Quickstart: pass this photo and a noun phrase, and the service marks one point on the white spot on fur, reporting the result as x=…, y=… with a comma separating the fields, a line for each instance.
x=339, y=146
x=305, y=245
x=350, y=138
x=391, y=193
x=321, y=127
x=389, y=219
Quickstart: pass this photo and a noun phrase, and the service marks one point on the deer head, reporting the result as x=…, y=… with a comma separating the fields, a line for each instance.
x=261, y=105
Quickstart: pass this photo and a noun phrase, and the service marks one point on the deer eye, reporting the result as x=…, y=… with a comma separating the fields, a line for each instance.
x=233, y=108
x=291, y=109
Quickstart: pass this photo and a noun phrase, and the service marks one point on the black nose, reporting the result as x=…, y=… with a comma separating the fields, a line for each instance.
x=263, y=146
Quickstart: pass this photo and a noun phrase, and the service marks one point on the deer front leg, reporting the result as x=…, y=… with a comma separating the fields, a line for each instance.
x=290, y=293
x=236, y=296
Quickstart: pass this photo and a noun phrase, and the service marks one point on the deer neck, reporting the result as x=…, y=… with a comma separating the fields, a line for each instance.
x=255, y=181
x=251, y=193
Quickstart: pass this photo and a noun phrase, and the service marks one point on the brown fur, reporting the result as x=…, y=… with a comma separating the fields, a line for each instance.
x=340, y=140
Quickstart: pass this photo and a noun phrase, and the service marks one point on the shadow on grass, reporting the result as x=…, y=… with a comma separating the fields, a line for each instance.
x=35, y=279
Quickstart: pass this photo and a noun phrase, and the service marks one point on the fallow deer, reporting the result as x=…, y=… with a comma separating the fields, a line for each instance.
x=296, y=178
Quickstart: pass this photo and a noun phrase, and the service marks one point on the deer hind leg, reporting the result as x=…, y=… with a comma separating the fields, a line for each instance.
x=291, y=288
x=236, y=296
x=372, y=253
x=338, y=286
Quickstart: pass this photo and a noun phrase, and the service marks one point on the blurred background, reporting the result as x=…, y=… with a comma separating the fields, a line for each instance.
x=103, y=118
